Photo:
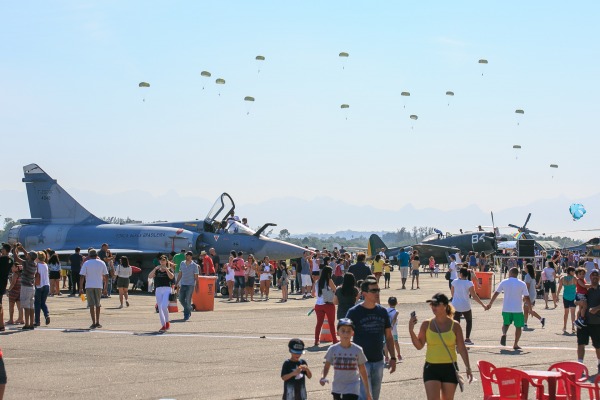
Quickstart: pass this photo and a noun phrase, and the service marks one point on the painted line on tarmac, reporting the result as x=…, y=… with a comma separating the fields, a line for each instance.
x=217, y=336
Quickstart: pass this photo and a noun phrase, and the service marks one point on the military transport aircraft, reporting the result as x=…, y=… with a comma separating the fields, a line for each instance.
x=439, y=246
x=61, y=223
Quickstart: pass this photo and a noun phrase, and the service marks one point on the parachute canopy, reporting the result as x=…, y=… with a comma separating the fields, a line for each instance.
x=248, y=98
x=205, y=73
x=483, y=61
x=405, y=94
x=144, y=84
x=344, y=54
x=260, y=58
x=449, y=93
x=516, y=146
x=577, y=211
x=414, y=117
x=553, y=165
x=519, y=112
x=220, y=81
x=345, y=106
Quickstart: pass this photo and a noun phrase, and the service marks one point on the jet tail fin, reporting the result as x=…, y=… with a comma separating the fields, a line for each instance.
x=49, y=202
x=375, y=245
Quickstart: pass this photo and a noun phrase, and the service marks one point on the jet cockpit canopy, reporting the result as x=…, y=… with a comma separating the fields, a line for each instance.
x=223, y=208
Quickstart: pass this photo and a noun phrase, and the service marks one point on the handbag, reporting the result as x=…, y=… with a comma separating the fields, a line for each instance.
x=459, y=377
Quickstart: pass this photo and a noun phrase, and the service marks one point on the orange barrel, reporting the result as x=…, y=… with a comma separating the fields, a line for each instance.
x=203, y=296
x=325, y=333
x=485, y=284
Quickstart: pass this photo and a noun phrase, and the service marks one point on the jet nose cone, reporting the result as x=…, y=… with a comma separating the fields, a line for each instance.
x=278, y=250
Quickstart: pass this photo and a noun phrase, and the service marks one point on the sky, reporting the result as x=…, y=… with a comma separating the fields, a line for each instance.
x=70, y=101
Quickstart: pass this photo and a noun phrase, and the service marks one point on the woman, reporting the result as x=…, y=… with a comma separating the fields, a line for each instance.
x=283, y=281
x=346, y=295
x=14, y=295
x=416, y=264
x=431, y=266
x=324, y=305
x=338, y=272
x=251, y=267
x=266, y=274
x=461, y=289
x=230, y=277
x=54, y=275
x=378, y=267
x=315, y=270
x=532, y=288
x=439, y=372
x=569, y=283
x=123, y=272
x=472, y=260
x=163, y=275
x=387, y=268
x=482, y=261
x=41, y=289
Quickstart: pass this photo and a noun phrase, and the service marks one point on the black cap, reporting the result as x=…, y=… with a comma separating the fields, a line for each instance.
x=296, y=346
x=439, y=298
x=345, y=322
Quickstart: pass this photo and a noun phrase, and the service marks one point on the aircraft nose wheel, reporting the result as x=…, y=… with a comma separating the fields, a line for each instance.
x=224, y=291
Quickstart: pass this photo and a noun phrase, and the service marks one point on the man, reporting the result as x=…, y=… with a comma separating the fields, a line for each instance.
x=75, y=260
x=218, y=269
x=360, y=269
x=6, y=264
x=305, y=274
x=27, y=283
x=593, y=321
x=208, y=268
x=95, y=273
x=187, y=279
x=589, y=266
x=403, y=262
x=372, y=325
x=105, y=255
x=178, y=259
x=515, y=291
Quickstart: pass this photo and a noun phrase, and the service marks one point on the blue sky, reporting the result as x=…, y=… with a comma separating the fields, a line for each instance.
x=69, y=99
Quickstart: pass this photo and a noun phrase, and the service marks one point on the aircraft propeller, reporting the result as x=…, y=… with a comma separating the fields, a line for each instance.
x=523, y=229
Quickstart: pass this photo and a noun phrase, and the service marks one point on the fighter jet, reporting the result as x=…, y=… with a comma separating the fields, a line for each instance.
x=59, y=222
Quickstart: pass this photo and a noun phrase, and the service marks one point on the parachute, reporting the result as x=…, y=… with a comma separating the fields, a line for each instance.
x=519, y=112
x=343, y=55
x=553, y=165
x=451, y=94
x=518, y=115
x=516, y=146
x=220, y=81
x=345, y=106
x=144, y=84
x=260, y=58
x=415, y=117
x=249, y=101
x=482, y=62
x=577, y=211
x=405, y=94
x=206, y=74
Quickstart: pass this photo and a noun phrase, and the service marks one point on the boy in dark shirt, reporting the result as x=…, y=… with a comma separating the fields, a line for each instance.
x=294, y=371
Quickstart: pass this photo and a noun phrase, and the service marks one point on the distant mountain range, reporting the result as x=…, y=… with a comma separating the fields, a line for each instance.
x=323, y=215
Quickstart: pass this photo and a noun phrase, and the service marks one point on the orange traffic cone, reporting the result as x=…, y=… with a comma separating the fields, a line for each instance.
x=173, y=301
x=325, y=333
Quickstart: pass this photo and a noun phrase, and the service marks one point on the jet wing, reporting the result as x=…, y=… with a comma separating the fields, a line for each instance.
x=113, y=251
x=438, y=252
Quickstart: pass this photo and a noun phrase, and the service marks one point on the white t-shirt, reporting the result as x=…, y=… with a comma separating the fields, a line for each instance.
x=514, y=290
x=458, y=257
x=460, y=298
x=44, y=277
x=453, y=270
x=549, y=274
x=392, y=312
x=230, y=276
x=123, y=272
x=94, y=270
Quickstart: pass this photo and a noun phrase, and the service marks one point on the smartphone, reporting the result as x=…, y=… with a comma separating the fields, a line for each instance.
x=413, y=314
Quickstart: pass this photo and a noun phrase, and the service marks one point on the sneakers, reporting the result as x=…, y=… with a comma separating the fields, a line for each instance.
x=580, y=323
x=168, y=325
x=48, y=320
x=121, y=306
x=469, y=342
x=163, y=329
x=543, y=321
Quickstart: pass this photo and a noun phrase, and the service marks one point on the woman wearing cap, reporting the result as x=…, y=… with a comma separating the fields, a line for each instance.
x=123, y=273
x=324, y=305
x=163, y=275
x=442, y=337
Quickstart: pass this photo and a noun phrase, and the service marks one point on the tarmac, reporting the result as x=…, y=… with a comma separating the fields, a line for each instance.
x=236, y=351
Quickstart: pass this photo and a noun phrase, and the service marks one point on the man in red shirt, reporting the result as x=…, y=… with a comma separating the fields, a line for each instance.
x=208, y=267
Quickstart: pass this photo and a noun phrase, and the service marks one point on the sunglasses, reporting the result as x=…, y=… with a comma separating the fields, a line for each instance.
x=373, y=291
x=434, y=303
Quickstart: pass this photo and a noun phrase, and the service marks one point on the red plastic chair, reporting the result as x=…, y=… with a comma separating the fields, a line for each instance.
x=580, y=374
x=514, y=384
x=485, y=372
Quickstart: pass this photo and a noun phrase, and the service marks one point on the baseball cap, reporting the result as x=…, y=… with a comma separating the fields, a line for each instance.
x=439, y=298
x=296, y=346
x=92, y=253
x=189, y=253
x=345, y=322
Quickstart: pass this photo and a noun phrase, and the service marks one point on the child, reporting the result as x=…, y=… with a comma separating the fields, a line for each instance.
x=348, y=360
x=581, y=296
x=393, y=314
x=386, y=275
x=436, y=270
x=432, y=267
x=293, y=372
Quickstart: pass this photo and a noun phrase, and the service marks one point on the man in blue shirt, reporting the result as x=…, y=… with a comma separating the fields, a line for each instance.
x=404, y=262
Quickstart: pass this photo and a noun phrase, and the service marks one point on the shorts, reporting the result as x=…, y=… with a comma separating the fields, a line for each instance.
x=240, y=282
x=580, y=297
x=93, y=296
x=54, y=275
x=2, y=372
x=316, y=273
x=27, y=297
x=344, y=396
x=415, y=272
x=440, y=372
x=568, y=303
x=122, y=283
x=306, y=280
x=63, y=273
x=250, y=281
x=549, y=286
x=585, y=333
x=404, y=272
x=265, y=277
x=513, y=317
